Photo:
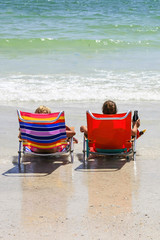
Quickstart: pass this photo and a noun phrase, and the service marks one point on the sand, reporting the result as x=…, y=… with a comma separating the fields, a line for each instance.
x=106, y=199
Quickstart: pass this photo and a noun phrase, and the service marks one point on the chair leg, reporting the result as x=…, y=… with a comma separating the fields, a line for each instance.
x=84, y=149
x=19, y=153
x=127, y=158
x=87, y=148
x=134, y=149
x=71, y=150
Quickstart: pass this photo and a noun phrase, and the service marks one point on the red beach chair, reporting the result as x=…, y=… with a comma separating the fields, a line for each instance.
x=109, y=135
x=42, y=132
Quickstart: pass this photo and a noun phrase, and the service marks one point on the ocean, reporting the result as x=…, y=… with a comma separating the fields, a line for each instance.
x=68, y=50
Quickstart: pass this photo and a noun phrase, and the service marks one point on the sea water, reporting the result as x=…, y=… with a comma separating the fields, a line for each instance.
x=79, y=50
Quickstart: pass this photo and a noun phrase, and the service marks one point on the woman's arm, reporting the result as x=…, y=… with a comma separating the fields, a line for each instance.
x=70, y=131
x=135, y=127
x=84, y=130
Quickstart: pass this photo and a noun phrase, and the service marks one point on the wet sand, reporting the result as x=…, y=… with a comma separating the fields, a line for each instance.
x=106, y=199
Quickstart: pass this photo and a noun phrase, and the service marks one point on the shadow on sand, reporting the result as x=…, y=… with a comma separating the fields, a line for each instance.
x=101, y=164
x=35, y=166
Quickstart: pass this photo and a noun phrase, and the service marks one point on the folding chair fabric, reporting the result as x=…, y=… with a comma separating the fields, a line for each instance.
x=109, y=132
x=109, y=135
x=42, y=131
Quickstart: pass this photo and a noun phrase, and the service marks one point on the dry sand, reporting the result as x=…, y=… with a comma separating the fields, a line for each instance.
x=106, y=199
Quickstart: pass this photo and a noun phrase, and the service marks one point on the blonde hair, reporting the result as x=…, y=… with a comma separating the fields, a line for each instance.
x=43, y=109
x=109, y=107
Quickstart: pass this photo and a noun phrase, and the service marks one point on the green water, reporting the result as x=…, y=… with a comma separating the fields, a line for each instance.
x=110, y=47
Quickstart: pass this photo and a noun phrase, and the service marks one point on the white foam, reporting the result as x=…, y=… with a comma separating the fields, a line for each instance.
x=143, y=86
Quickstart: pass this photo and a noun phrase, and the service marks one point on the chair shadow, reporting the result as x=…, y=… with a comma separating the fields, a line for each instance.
x=101, y=164
x=35, y=166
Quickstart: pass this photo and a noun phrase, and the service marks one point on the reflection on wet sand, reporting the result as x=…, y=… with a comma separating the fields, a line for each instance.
x=44, y=195
x=67, y=200
x=110, y=190
x=109, y=186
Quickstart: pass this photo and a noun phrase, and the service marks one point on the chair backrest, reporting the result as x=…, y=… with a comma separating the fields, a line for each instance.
x=109, y=131
x=42, y=131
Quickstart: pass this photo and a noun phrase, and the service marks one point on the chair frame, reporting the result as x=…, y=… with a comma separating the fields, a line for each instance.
x=86, y=148
x=21, y=150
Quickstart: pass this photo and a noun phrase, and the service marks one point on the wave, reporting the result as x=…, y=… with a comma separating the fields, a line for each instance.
x=141, y=86
x=40, y=45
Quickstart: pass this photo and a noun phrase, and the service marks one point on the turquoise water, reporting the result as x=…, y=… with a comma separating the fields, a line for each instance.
x=94, y=49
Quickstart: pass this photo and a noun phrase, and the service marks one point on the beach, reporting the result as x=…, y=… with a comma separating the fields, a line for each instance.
x=54, y=199
x=72, y=56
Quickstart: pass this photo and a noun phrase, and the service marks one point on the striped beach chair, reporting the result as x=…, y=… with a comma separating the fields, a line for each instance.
x=109, y=135
x=41, y=133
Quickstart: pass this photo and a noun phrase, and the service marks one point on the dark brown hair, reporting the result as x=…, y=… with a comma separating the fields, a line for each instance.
x=109, y=107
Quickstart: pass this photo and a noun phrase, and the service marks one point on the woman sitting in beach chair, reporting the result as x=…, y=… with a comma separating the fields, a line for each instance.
x=110, y=107
x=109, y=133
x=44, y=132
